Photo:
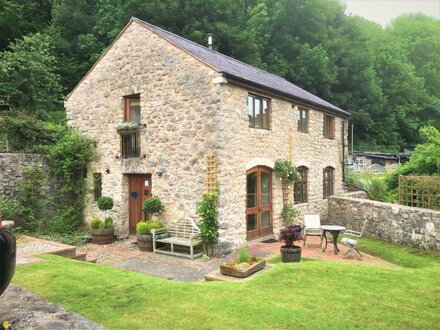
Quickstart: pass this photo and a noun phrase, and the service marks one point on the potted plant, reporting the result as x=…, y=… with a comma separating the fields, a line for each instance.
x=127, y=127
x=152, y=205
x=105, y=203
x=144, y=236
x=102, y=231
x=245, y=265
x=290, y=234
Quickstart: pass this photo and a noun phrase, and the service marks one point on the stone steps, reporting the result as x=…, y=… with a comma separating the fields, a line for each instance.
x=71, y=253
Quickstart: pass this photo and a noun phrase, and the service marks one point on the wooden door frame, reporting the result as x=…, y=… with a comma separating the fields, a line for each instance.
x=258, y=209
x=143, y=177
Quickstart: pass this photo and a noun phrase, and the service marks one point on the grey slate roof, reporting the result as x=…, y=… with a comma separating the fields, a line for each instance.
x=243, y=72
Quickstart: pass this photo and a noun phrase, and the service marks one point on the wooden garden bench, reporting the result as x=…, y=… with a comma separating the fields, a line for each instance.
x=177, y=238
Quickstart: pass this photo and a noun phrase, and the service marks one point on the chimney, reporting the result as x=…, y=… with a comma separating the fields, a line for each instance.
x=209, y=40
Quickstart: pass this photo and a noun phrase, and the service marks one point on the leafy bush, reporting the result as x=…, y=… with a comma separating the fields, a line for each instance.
x=69, y=158
x=289, y=213
x=145, y=227
x=290, y=234
x=105, y=203
x=378, y=190
x=207, y=210
x=284, y=170
x=27, y=133
x=96, y=223
x=108, y=222
x=153, y=205
x=32, y=198
x=9, y=208
x=65, y=220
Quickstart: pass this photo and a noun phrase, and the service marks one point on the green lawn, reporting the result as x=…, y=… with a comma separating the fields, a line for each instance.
x=309, y=295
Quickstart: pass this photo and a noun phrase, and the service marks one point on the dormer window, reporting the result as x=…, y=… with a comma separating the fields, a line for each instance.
x=258, y=111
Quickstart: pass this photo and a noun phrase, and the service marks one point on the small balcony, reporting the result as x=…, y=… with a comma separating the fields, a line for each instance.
x=130, y=142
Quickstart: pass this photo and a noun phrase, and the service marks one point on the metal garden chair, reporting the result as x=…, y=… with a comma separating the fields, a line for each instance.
x=312, y=224
x=350, y=239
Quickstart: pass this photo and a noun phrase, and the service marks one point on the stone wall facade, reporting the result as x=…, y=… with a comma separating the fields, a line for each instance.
x=11, y=172
x=388, y=222
x=189, y=111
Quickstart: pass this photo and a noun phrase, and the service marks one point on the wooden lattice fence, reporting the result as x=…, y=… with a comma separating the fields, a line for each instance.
x=420, y=191
x=211, y=173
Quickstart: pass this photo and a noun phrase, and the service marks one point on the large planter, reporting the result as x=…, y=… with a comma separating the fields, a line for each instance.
x=102, y=236
x=290, y=254
x=145, y=242
x=231, y=271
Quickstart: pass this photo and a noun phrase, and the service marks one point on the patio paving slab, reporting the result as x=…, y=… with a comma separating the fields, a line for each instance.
x=170, y=271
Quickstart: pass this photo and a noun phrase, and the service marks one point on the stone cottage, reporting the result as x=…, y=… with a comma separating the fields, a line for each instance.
x=202, y=117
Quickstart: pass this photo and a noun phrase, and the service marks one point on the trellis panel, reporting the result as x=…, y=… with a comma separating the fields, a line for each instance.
x=420, y=191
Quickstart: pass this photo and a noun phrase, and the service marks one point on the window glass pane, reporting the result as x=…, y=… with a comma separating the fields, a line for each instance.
x=252, y=190
x=265, y=219
x=251, y=222
x=257, y=113
x=251, y=110
x=298, y=117
x=265, y=114
x=264, y=189
x=304, y=120
x=135, y=111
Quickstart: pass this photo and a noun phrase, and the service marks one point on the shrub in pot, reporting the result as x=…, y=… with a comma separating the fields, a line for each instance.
x=290, y=234
x=144, y=236
x=102, y=230
x=105, y=203
x=152, y=205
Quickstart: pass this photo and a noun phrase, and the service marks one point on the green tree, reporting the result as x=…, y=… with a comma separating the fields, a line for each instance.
x=28, y=74
x=21, y=17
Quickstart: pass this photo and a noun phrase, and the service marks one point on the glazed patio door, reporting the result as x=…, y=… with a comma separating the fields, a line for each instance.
x=259, y=203
x=139, y=189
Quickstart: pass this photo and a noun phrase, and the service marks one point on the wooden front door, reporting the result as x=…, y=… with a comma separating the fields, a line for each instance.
x=139, y=189
x=259, y=202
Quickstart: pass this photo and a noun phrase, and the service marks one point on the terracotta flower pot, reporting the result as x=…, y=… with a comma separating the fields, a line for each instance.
x=290, y=254
x=102, y=236
x=145, y=242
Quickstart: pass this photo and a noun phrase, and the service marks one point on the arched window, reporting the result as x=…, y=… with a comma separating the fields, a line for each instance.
x=300, y=186
x=328, y=181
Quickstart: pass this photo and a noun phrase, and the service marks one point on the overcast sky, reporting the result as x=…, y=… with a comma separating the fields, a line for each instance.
x=383, y=11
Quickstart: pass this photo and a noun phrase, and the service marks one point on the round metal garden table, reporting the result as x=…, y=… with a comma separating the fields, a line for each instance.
x=334, y=231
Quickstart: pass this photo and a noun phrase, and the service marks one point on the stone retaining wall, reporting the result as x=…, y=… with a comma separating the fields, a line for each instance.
x=11, y=172
x=386, y=221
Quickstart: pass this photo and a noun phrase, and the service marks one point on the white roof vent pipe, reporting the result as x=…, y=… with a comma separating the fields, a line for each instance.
x=209, y=40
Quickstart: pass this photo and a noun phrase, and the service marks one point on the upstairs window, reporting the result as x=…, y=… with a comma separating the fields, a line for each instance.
x=300, y=186
x=132, y=109
x=303, y=120
x=329, y=127
x=258, y=112
x=130, y=139
x=328, y=181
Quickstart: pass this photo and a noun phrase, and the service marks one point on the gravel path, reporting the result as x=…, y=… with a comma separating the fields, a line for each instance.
x=25, y=310
x=35, y=247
